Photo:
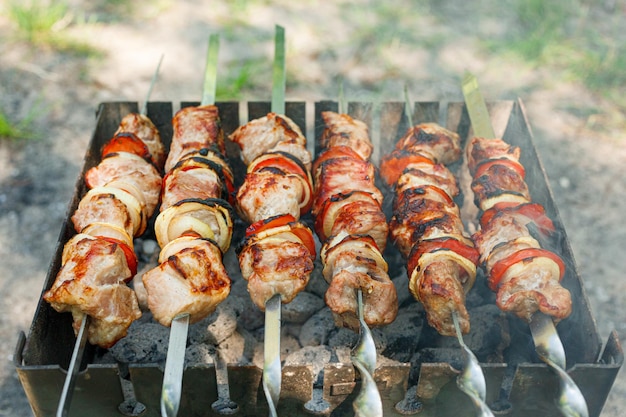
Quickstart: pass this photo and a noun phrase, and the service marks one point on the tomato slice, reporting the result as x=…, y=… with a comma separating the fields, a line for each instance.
x=483, y=167
x=126, y=142
x=131, y=257
x=270, y=222
x=278, y=160
x=534, y=211
x=300, y=230
x=394, y=164
x=500, y=267
x=306, y=236
x=437, y=244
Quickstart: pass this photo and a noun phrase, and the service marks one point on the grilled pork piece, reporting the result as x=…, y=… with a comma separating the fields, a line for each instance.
x=276, y=256
x=129, y=168
x=351, y=263
x=194, y=128
x=525, y=277
x=190, y=279
x=271, y=133
x=426, y=226
x=342, y=130
x=194, y=227
x=351, y=225
x=92, y=281
x=141, y=126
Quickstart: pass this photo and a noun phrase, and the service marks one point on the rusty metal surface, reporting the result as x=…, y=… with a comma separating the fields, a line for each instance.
x=522, y=386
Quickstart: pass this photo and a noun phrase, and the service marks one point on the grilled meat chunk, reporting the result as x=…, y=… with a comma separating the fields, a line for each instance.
x=273, y=132
x=92, y=281
x=342, y=130
x=194, y=128
x=129, y=168
x=191, y=280
x=142, y=127
x=351, y=263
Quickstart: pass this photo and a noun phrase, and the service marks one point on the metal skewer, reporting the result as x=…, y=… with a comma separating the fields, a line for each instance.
x=144, y=107
x=72, y=371
x=368, y=403
x=175, y=362
x=272, y=371
x=548, y=345
x=472, y=380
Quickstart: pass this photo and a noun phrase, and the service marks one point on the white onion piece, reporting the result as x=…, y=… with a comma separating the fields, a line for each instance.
x=427, y=258
x=108, y=230
x=131, y=203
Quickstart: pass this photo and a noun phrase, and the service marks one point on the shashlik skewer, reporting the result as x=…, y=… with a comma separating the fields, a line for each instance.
x=97, y=263
x=525, y=276
x=193, y=229
x=276, y=256
x=353, y=230
x=426, y=226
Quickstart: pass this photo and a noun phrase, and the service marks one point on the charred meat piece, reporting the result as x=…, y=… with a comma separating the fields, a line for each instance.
x=190, y=280
x=276, y=257
x=92, y=281
x=142, y=127
x=194, y=128
x=130, y=168
x=273, y=132
x=351, y=263
x=342, y=130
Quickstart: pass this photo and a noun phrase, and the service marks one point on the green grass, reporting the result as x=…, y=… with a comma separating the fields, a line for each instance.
x=560, y=34
x=44, y=24
x=10, y=130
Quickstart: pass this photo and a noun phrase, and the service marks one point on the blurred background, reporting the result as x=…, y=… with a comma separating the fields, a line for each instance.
x=566, y=59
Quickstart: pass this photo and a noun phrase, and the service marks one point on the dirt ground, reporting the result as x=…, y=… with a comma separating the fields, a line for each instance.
x=426, y=48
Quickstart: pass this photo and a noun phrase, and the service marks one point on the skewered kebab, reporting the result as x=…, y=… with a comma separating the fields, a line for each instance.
x=353, y=230
x=193, y=229
x=277, y=253
x=426, y=226
x=351, y=224
x=525, y=276
x=98, y=261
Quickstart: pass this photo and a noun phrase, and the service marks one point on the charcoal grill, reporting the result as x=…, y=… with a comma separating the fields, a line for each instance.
x=521, y=386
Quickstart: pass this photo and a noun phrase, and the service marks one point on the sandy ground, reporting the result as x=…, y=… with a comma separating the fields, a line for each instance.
x=375, y=54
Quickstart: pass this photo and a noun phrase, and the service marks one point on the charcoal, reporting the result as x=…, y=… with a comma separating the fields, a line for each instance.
x=316, y=330
x=316, y=356
x=144, y=343
x=317, y=284
x=403, y=334
x=216, y=327
x=488, y=336
x=238, y=348
x=199, y=354
x=301, y=308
